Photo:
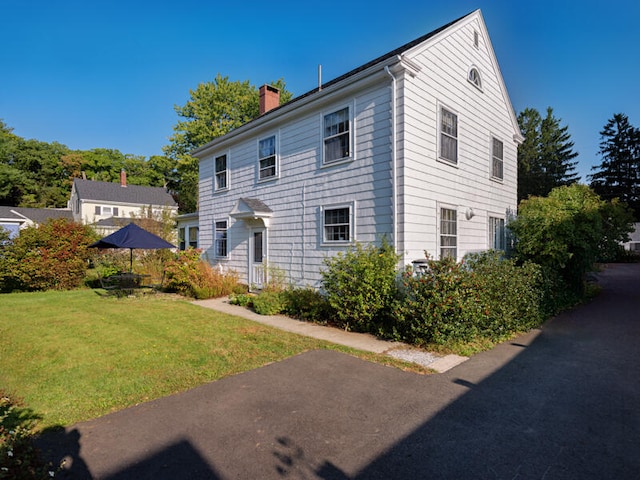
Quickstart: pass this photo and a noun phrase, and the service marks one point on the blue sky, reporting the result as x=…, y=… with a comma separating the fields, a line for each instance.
x=107, y=73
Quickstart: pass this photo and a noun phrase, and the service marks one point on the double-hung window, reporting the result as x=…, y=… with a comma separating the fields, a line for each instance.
x=448, y=233
x=497, y=237
x=448, y=136
x=497, y=158
x=267, y=164
x=106, y=211
x=337, y=224
x=181, y=238
x=193, y=237
x=336, y=135
x=221, y=173
x=221, y=239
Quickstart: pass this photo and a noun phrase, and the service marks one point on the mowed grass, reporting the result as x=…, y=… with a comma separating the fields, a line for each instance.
x=77, y=355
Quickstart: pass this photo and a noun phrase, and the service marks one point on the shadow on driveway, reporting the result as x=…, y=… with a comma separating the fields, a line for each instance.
x=561, y=402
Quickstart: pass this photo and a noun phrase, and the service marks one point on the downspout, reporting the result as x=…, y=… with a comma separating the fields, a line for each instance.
x=394, y=160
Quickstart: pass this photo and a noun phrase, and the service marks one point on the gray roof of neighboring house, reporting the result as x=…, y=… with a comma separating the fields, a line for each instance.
x=114, y=192
x=36, y=215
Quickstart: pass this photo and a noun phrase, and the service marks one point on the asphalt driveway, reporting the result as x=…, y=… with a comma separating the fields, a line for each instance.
x=558, y=403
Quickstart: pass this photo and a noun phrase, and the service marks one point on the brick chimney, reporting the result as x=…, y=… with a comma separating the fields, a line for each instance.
x=123, y=178
x=269, y=98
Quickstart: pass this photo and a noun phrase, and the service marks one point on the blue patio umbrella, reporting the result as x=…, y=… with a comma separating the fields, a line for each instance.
x=132, y=236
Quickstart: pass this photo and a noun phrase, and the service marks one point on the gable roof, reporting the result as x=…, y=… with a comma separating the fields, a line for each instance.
x=114, y=192
x=390, y=57
x=36, y=215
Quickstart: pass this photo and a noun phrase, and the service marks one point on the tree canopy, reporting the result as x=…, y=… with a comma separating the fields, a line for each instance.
x=39, y=174
x=545, y=156
x=618, y=176
x=214, y=109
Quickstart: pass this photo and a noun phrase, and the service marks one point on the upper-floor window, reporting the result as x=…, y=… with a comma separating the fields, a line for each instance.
x=337, y=224
x=267, y=164
x=336, y=134
x=497, y=162
x=448, y=136
x=113, y=211
x=221, y=173
x=474, y=77
x=448, y=233
x=220, y=246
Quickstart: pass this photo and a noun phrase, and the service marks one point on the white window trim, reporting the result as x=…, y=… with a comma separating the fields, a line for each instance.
x=490, y=236
x=276, y=154
x=491, y=172
x=352, y=223
x=215, y=174
x=440, y=158
x=215, y=245
x=442, y=206
x=479, y=76
x=352, y=131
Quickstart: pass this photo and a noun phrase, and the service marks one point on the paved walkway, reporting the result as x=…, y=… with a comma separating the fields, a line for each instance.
x=559, y=403
x=360, y=341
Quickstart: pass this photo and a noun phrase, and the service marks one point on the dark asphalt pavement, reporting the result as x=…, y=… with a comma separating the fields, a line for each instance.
x=562, y=402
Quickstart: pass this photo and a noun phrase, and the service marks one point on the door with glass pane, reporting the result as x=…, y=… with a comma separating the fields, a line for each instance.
x=258, y=258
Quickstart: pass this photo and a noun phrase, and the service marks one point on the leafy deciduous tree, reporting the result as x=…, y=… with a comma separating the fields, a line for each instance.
x=214, y=109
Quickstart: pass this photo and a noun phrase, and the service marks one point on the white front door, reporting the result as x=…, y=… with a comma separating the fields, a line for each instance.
x=258, y=258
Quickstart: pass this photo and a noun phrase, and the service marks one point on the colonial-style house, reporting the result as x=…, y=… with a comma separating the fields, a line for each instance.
x=109, y=206
x=418, y=146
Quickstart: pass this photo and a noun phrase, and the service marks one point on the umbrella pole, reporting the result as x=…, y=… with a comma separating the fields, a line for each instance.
x=131, y=260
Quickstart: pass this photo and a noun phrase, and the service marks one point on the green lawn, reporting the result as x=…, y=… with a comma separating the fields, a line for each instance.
x=77, y=355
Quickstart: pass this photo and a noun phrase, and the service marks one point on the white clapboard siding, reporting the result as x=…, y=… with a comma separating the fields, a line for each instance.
x=427, y=76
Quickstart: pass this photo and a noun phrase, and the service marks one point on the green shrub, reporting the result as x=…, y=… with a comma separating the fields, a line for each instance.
x=52, y=256
x=269, y=303
x=360, y=285
x=242, y=299
x=485, y=297
x=307, y=304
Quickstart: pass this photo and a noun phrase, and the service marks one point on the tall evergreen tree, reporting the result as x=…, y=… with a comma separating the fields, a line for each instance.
x=618, y=176
x=545, y=156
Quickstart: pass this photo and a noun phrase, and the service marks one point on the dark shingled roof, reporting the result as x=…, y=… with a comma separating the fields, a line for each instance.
x=114, y=192
x=36, y=215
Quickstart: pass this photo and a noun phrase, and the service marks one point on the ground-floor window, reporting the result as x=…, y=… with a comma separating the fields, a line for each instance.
x=337, y=224
x=448, y=233
x=496, y=233
x=221, y=239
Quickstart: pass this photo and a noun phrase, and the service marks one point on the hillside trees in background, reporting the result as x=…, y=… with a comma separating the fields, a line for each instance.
x=213, y=109
x=40, y=174
x=618, y=176
x=545, y=157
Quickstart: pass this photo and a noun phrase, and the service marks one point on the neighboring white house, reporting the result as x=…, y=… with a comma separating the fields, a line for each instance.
x=418, y=146
x=108, y=206
x=633, y=244
x=14, y=219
